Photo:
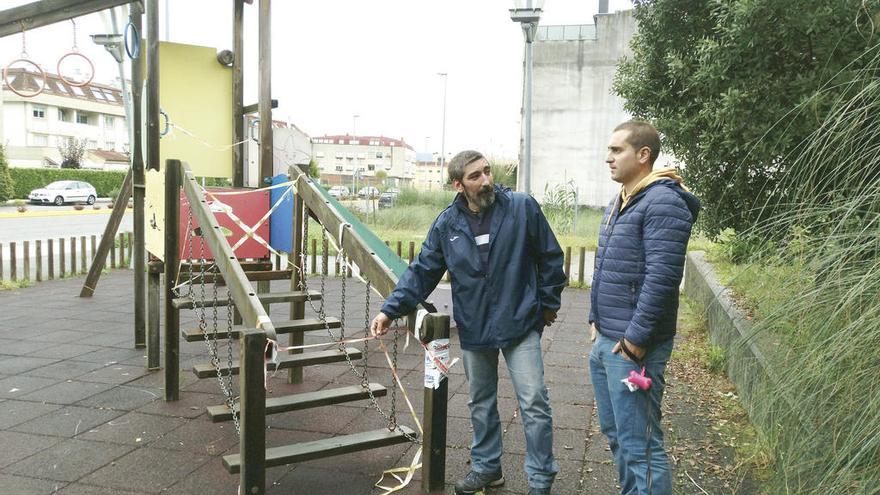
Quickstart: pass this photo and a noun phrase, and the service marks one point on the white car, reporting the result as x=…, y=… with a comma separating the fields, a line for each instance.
x=339, y=192
x=64, y=191
x=368, y=192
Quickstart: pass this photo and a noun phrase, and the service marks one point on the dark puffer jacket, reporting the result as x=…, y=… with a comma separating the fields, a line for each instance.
x=640, y=262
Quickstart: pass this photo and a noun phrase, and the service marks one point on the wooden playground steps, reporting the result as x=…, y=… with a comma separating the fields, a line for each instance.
x=265, y=298
x=281, y=327
x=284, y=361
x=302, y=401
x=317, y=449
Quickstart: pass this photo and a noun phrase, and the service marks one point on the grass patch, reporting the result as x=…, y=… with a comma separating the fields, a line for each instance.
x=14, y=284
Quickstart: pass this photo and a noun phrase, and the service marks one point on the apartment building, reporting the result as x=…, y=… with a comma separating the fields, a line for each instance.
x=355, y=160
x=32, y=128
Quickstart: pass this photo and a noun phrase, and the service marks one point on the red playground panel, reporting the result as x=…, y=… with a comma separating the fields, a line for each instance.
x=249, y=208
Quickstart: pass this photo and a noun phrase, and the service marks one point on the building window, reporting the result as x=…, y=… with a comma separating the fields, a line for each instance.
x=64, y=115
x=374, y=142
x=109, y=121
x=77, y=91
x=91, y=144
x=110, y=145
x=371, y=167
x=379, y=154
x=98, y=94
x=41, y=140
x=339, y=168
x=341, y=141
x=353, y=141
x=82, y=118
x=39, y=112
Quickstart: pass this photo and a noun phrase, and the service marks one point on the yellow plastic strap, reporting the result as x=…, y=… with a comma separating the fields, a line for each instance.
x=402, y=482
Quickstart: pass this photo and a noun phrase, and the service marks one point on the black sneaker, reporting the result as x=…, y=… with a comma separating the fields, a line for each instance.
x=474, y=482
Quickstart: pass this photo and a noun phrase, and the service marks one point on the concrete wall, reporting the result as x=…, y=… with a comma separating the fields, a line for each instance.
x=574, y=109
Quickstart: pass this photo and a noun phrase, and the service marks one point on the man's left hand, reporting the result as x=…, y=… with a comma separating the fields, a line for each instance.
x=549, y=317
x=638, y=351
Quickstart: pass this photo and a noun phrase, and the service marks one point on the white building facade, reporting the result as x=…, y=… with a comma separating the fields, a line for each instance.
x=32, y=128
x=347, y=160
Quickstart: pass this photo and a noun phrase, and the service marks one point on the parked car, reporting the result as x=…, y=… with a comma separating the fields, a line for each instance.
x=386, y=200
x=368, y=192
x=339, y=192
x=393, y=190
x=64, y=191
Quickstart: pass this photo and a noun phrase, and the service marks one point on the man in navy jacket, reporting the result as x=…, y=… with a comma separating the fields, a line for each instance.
x=506, y=270
x=634, y=303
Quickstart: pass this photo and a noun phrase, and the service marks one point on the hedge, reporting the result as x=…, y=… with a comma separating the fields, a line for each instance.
x=28, y=179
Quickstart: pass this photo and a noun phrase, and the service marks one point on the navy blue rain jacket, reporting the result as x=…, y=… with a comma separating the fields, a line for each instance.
x=496, y=307
x=640, y=263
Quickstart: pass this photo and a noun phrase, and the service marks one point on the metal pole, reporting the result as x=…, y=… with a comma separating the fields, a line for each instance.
x=526, y=166
x=252, y=439
x=172, y=262
x=443, y=135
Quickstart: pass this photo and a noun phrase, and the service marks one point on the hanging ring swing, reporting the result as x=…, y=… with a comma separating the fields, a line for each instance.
x=132, y=40
x=24, y=58
x=74, y=52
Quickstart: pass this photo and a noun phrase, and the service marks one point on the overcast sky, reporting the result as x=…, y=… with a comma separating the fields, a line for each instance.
x=333, y=59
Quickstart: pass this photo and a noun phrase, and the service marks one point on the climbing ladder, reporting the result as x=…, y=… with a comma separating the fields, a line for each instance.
x=255, y=329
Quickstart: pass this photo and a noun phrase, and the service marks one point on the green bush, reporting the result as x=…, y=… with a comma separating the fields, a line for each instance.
x=434, y=199
x=28, y=179
x=7, y=184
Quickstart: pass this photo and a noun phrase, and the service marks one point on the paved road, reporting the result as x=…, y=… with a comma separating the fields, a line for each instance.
x=49, y=222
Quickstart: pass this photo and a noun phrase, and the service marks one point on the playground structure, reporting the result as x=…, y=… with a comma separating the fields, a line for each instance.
x=247, y=320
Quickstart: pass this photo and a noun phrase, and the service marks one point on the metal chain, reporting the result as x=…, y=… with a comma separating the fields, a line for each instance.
x=211, y=340
x=24, y=53
x=75, y=48
x=390, y=419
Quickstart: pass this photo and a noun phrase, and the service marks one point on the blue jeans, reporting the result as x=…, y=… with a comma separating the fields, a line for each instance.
x=624, y=416
x=526, y=367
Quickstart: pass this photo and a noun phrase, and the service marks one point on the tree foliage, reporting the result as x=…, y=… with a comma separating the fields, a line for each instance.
x=7, y=185
x=72, y=152
x=736, y=86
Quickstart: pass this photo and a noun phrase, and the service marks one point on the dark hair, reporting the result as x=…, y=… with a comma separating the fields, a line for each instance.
x=642, y=134
x=460, y=161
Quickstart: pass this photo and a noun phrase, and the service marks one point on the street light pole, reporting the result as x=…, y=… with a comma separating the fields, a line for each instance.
x=443, y=135
x=528, y=16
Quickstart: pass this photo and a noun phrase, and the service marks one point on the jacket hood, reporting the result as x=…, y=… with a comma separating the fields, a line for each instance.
x=666, y=177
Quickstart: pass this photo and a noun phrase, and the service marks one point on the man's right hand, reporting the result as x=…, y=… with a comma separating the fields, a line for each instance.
x=593, y=332
x=380, y=325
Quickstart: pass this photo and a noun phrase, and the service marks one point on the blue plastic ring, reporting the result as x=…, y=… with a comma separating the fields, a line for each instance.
x=132, y=52
x=167, y=123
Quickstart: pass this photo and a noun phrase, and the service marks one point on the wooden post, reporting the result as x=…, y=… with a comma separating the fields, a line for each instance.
x=1, y=261
x=297, y=309
x=435, y=327
x=39, y=261
x=73, y=256
x=412, y=251
x=94, y=251
x=138, y=194
x=110, y=229
x=27, y=261
x=314, y=256
x=112, y=252
x=128, y=241
x=82, y=259
x=61, y=257
x=582, y=253
x=51, y=258
x=121, y=251
x=172, y=260
x=237, y=93
x=265, y=98
x=153, y=287
x=567, y=264
x=13, y=269
x=252, y=442
x=399, y=249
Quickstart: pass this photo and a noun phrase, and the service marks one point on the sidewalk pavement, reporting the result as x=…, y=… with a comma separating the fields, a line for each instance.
x=80, y=414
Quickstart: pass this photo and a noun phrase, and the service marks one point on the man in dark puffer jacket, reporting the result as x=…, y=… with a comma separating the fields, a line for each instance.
x=634, y=303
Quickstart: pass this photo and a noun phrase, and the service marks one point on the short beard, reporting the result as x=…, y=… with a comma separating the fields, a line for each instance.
x=485, y=198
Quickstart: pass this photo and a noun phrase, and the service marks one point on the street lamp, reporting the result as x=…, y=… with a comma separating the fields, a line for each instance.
x=527, y=13
x=443, y=135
